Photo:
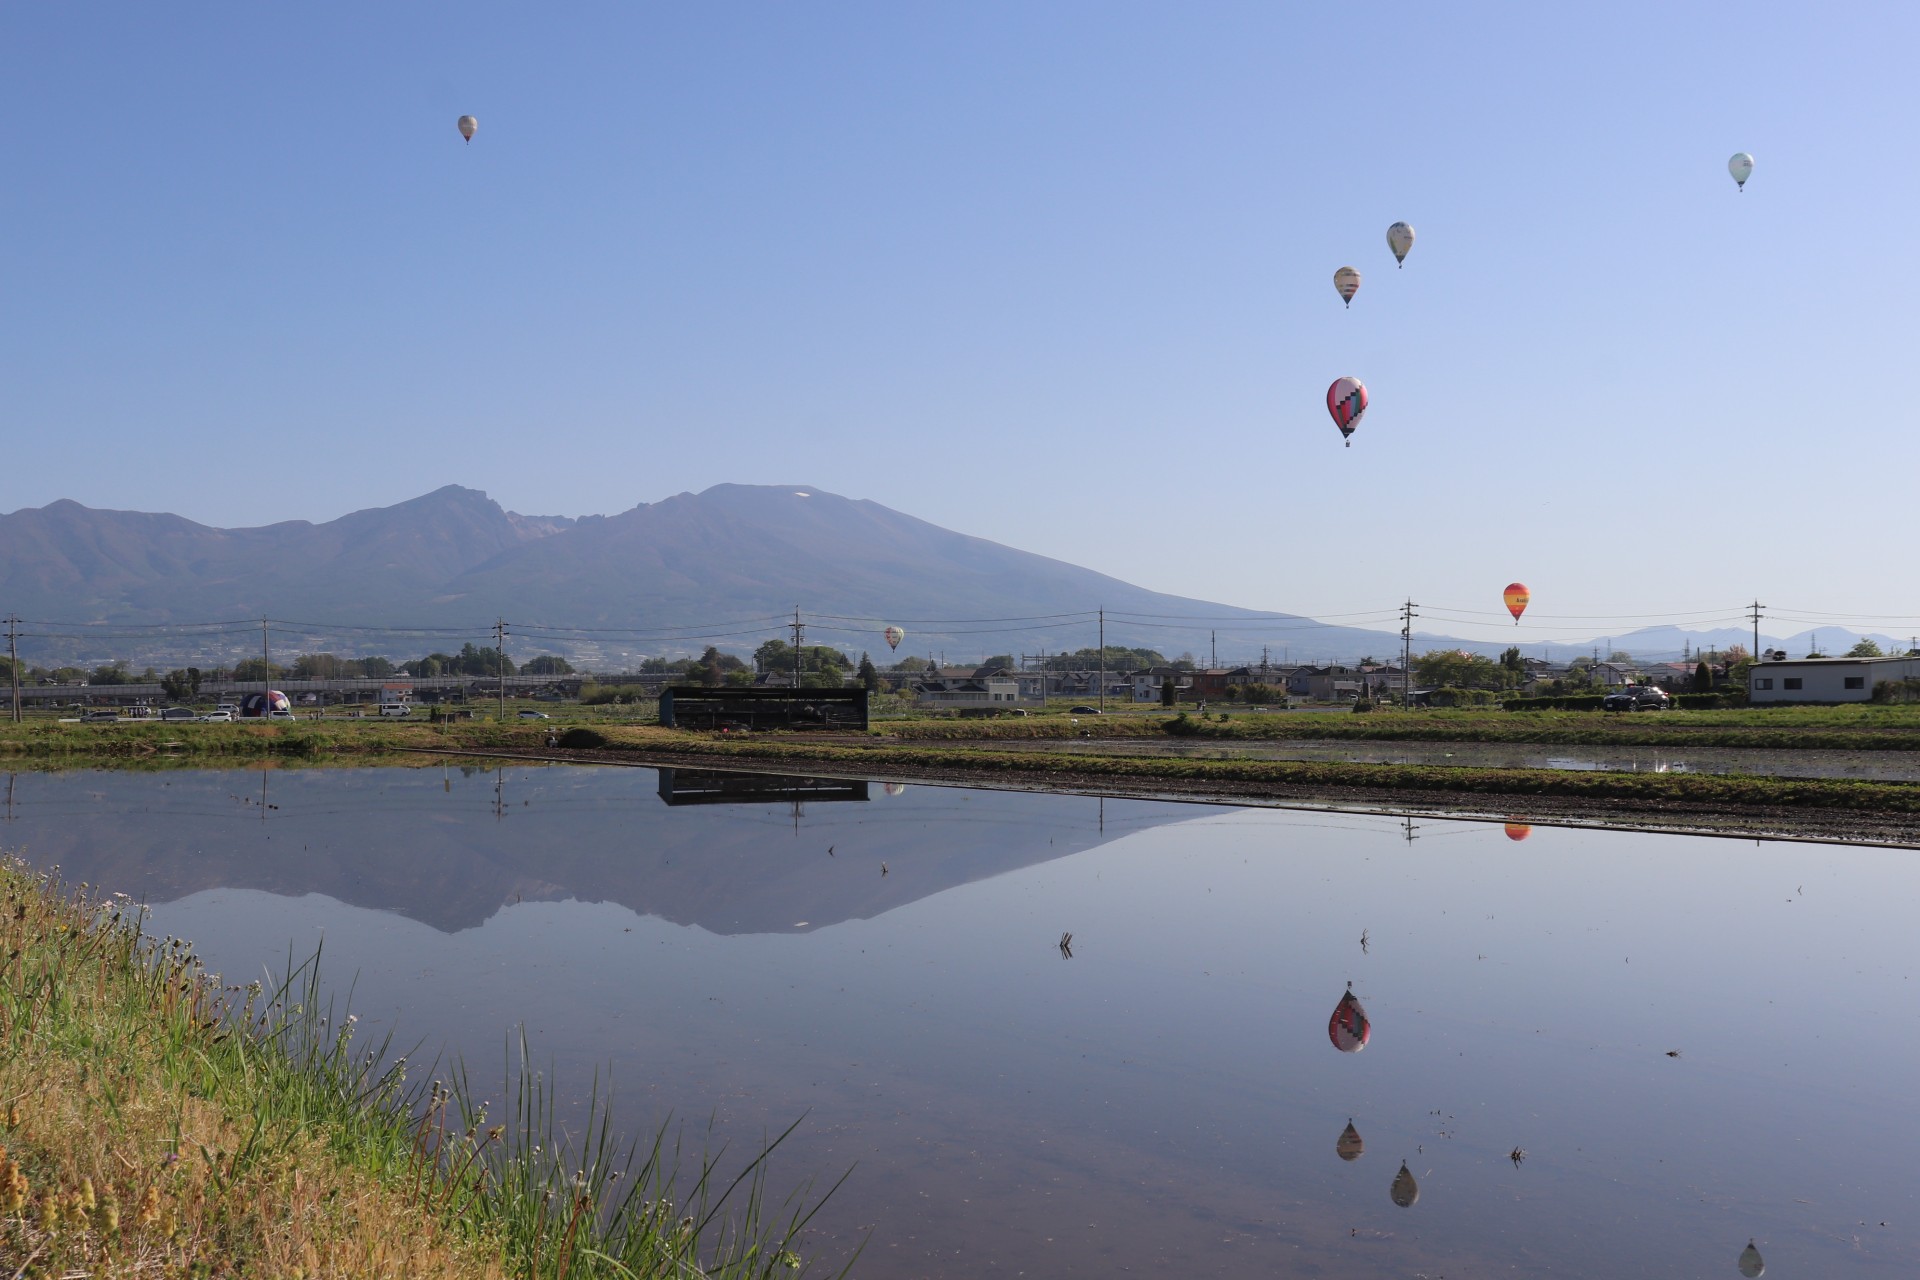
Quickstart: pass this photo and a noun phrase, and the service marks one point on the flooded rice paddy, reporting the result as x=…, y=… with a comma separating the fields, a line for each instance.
x=1865, y=766
x=1582, y=1053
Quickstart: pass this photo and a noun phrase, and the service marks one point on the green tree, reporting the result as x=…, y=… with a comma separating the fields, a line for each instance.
x=1456, y=669
x=1702, y=678
x=250, y=669
x=376, y=668
x=1865, y=649
x=547, y=664
x=869, y=674
x=1169, y=691
x=112, y=673
x=182, y=685
x=1514, y=667
x=998, y=661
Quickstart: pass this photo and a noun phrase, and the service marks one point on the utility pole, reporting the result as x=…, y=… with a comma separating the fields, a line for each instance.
x=1407, y=616
x=1755, y=609
x=799, y=631
x=266, y=675
x=1213, y=648
x=1103, y=662
x=500, y=652
x=13, y=667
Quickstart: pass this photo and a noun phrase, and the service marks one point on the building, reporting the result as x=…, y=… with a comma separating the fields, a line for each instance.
x=970, y=693
x=1824, y=679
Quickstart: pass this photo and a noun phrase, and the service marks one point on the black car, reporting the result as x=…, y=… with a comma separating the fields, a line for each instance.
x=1083, y=711
x=1636, y=698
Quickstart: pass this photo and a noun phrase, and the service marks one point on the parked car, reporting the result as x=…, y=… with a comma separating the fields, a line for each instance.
x=1636, y=698
x=219, y=717
x=1083, y=711
x=535, y=715
x=231, y=708
x=280, y=715
x=101, y=717
x=179, y=713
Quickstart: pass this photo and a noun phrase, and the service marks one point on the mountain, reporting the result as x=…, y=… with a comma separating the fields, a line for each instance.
x=726, y=563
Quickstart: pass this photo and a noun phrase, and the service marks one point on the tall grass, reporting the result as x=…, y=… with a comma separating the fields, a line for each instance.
x=161, y=1122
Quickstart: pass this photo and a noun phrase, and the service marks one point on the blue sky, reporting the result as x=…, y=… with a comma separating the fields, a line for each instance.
x=1058, y=275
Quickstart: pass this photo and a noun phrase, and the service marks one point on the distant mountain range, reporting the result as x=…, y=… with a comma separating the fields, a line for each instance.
x=723, y=566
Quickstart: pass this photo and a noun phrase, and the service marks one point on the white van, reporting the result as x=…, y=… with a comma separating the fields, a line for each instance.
x=396, y=709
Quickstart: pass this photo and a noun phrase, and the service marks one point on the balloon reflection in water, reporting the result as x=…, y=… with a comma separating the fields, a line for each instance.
x=1404, y=1190
x=895, y=788
x=1517, y=830
x=1348, y=1028
x=1750, y=1262
x=1350, y=1146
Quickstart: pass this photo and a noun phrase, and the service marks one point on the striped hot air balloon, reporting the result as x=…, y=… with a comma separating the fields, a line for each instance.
x=1347, y=281
x=1517, y=596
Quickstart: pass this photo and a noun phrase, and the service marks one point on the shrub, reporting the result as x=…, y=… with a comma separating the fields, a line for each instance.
x=1565, y=702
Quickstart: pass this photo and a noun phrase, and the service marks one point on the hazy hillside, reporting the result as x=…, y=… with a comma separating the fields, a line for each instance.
x=694, y=561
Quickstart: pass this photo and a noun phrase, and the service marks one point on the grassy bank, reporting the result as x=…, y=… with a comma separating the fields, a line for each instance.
x=1275, y=776
x=159, y=1123
x=1851, y=728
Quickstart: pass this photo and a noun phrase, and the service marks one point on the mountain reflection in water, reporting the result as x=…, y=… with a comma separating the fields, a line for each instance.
x=381, y=838
x=1599, y=1054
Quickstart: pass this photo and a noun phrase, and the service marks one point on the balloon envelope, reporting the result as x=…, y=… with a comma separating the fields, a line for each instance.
x=261, y=704
x=1348, y=1028
x=1751, y=1265
x=1517, y=596
x=1347, y=402
x=1740, y=165
x=1400, y=240
x=1347, y=281
x=1518, y=830
x=1404, y=1190
x=894, y=636
x=468, y=127
x=1349, y=1145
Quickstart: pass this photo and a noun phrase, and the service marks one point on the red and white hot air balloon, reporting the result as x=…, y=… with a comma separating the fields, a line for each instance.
x=894, y=636
x=1348, y=1028
x=1347, y=401
x=468, y=126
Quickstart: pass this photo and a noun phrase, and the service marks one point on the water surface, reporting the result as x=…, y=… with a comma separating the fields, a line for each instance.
x=1166, y=1100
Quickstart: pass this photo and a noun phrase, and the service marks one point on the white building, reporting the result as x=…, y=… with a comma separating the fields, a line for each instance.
x=1824, y=679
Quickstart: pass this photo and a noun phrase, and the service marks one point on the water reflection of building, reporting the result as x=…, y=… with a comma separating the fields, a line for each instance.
x=709, y=786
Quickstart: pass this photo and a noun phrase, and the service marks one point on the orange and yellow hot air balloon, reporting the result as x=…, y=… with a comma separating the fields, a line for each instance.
x=1518, y=830
x=1516, y=596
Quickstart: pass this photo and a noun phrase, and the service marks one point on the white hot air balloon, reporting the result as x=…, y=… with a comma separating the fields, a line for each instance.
x=468, y=127
x=1752, y=1266
x=894, y=635
x=1400, y=240
x=1741, y=167
x=1347, y=281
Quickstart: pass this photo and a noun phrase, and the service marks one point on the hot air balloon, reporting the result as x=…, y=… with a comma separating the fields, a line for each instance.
x=468, y=127
x=1518, y=830
x=1347, y=281
x=1349, y=1145
x=1400, y=240
x=1348, y=1028
x=1740, y=165
x=1347, y=401
x=1404, y=1189
x=258, y=705
x=1751, y=1264
x=894, y=636
x=1516, y=596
